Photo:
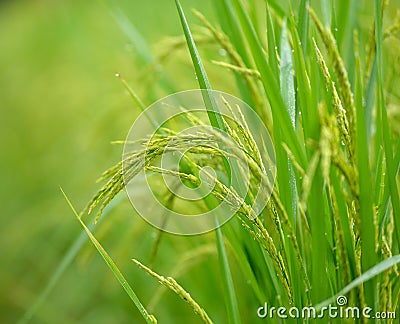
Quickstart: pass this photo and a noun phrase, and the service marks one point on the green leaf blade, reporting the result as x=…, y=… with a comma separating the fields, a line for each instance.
x=113, y=267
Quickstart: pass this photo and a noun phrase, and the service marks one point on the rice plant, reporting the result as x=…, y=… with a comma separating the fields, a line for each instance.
x=323, y=79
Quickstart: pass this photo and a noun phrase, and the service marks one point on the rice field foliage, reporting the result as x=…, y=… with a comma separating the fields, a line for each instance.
x=324, y=79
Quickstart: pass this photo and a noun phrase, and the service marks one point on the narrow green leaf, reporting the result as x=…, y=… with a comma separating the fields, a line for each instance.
x=303, y=23
x=378, y=177
x=271, y=87
x=113, y=267
x=369, y=257
x=286, y=76
x=287, y=175
x=307, y=104
x=288, y=96
x=280, y=12
x=272, y=58
x=233, y=308
x=370, y=99
x=347, y=11
x=386, y=192
x=209, y=100
x=391, y=169
x=243, y=259
x=216, y=121
x=365, y=277
x=326, y=7
x=319, y=245
x=345, y=222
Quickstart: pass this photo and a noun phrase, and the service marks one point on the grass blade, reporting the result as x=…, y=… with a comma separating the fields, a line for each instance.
x=247, y=267
x=369, y=100
x=369, y=257
x=386, y=192
x=326, y=7
x=230, y=25
x=391, y=169
x=365, y=277
x=231, y=303
x=113, y=267
x=209, y=100
x=288, y=96
x=271, y=87
x=286, y=76
x=235, y=38
x=280, y=12
x=288, y=176
x=303, y=23
x=272, y=56
x=346, y=14
x=216, y=121
x=307, y=104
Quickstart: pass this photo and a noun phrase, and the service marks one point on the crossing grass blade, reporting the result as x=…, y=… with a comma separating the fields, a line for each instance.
x=369, y=274
x=113, y=267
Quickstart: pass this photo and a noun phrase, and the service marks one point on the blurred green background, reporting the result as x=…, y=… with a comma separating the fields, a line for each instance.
x=61, y=105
